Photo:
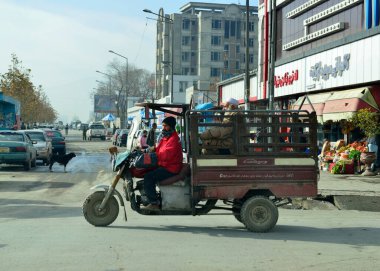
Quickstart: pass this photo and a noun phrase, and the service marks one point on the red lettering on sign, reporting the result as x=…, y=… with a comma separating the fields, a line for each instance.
x=286, y=80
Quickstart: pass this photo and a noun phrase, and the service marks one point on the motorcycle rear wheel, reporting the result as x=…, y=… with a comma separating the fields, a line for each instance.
x=100, y=218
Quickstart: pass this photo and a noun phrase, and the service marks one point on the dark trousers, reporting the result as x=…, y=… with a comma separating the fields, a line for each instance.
x=150, y=181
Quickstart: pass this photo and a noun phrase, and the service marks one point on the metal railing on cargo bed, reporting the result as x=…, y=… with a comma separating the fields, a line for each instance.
x=252, y=133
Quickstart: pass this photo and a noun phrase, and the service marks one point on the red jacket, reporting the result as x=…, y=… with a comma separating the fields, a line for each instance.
x=169, y=153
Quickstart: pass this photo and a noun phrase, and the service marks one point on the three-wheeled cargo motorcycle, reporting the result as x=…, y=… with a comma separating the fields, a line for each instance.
x=267, y=158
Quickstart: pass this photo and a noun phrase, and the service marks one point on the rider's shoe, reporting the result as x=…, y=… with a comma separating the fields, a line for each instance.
x=150, y=207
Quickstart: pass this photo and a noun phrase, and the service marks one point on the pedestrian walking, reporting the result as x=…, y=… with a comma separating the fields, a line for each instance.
x=66, y=129
x=84, y=133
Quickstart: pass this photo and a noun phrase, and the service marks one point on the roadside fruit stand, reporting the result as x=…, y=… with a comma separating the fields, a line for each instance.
x=342, y=158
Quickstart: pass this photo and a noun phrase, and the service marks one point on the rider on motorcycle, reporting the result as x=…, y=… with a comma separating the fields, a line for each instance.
x=169, y=156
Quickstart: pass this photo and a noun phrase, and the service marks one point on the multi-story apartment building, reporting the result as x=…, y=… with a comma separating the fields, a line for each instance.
x=203, y=44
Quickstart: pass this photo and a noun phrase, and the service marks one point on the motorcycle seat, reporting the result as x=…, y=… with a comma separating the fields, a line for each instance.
x=179, y=179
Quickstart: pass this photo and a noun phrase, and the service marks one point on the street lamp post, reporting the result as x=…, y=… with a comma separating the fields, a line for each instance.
x=169, y=20
x=125, y=111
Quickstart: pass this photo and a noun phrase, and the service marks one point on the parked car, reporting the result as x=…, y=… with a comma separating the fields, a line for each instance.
x=122, y=138
x=115, y=135
x=96, y=130
x=42, y=143
x=16, y=147
x=57, y=141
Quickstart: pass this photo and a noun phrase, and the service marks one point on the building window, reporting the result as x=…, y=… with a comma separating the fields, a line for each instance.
x=250, y=42
x=251, y=26
x=238, y=30
x=186, y=24
x=216, y=24
x=226, y=64
x=182, y=86
x=192, y=71
x=226, y=29
x=185, y=71
x=185, y=40
x=237, y=65
x=251, y=58
x=215, y=56
x=214, y=72
x=233, y=28
x=216, y=40
x=185, y=56
x=226, y=48
x=237, y=49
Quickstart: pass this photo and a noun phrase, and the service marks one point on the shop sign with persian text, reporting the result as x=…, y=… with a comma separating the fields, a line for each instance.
x=324, y=71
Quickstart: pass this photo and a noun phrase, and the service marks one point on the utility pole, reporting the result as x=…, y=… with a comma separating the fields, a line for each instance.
x=273, y=34
x=168, y=21
x=246, y=78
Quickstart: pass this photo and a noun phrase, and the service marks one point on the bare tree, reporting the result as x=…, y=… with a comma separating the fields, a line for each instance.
x=125, y=82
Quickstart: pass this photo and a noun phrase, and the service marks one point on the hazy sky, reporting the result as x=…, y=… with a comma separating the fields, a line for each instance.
x=64, y=42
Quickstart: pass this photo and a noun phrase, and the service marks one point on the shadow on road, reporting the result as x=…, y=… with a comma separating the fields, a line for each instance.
x=356, y=236
x=4, y=201
x=38, y=211
x=22, y=186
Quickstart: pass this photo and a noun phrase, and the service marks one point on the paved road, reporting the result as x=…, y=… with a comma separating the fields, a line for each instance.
x=42, y=228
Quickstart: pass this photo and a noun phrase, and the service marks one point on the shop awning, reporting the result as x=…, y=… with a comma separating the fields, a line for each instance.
x=109, y=117
x=318, y=102
x=343, y=104
x=337, y=105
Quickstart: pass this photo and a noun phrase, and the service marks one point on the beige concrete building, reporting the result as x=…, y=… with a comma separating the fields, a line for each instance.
x=202, y=45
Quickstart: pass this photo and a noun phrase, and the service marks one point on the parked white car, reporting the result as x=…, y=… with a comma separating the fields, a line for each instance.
x=96, y=131
x=42, y=143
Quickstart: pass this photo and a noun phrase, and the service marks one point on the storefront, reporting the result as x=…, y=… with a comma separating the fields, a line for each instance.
x=9, y=113
x=328, y=54
x=322, y=51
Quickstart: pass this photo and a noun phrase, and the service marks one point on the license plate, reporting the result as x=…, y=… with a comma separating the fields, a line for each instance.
x=97, y=135
x=4, y=149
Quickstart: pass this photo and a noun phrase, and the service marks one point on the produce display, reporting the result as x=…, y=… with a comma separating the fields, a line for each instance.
x=341, y=159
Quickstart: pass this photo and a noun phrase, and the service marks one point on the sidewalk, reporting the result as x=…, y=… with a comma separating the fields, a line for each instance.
x=353, y=192
x=347, y=184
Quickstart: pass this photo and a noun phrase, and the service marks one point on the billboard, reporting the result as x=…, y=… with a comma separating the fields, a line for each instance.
x=104, y=104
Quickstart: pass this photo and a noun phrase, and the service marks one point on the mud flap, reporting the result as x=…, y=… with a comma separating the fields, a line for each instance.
x=125, y=214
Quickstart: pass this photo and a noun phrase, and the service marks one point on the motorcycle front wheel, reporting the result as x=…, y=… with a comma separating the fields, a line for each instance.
x=98, y=217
